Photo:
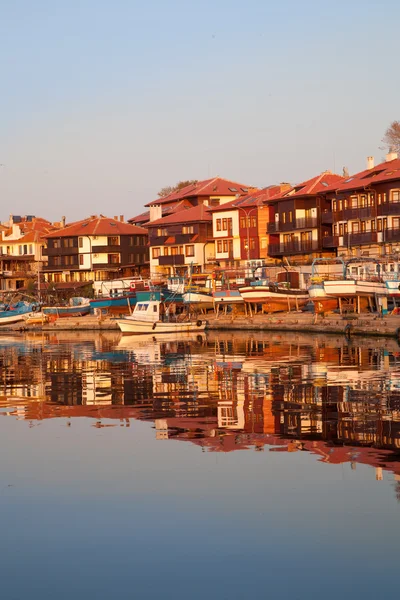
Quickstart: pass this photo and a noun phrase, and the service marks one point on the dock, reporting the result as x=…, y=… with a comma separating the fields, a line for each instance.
x=365, y=324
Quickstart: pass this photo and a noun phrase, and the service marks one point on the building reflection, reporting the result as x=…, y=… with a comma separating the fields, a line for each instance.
x=223, y=392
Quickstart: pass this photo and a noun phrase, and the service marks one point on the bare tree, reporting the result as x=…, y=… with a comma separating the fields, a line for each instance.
x=165, y=191
x=391, y=138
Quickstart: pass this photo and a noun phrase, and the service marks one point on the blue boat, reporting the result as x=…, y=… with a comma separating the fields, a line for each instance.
x=77, y=307
x=19, y=311
x=125, y=300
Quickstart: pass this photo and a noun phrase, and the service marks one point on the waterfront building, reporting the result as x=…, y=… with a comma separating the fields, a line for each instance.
x=96, y=249
x=366, y=211
x=240, y=229
x=300, y=219
x=21, y=250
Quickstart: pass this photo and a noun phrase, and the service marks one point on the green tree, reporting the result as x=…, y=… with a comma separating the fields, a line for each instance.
x=165, y=191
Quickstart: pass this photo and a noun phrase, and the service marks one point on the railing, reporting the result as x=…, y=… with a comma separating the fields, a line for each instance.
x=60, y=251
x=365, y=212
x=357, y=239
x=293, y=248
x=389, y=208
x=106, y=249
x=327, y=218
x=330, y=241
x=391, y=235
x=306, y=223
x=174, y=259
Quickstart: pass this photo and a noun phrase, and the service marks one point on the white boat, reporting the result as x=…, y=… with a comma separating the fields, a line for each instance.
x=200, y=300
x=152, y=315
x=17, y=312
x=274, y=297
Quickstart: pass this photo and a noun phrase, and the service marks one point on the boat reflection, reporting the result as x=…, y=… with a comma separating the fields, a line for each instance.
x=336, y=399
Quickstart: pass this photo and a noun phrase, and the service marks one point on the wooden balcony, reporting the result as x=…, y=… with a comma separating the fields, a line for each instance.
x=327, y=218
x=306, y=223
x=391, y=235
x=359, y=239
x=61, y=251
x=106, y=249
x=293, y=248
x=367, y=212
x=175, y=259
x=389, y=208
x=330, y=241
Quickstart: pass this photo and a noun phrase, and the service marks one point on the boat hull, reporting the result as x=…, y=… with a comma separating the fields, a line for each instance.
x=137, y=327
x=10, y=318
x=275, y=301
x=199, y=300
x=118, y=303
x=66, y=311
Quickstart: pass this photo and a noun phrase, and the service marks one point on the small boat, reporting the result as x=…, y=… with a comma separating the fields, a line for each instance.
x=227, y=297
x=20, y=311
x=119, y=299
x=277, y=296
x=77, y=307
x=153, y=315
x=201, y=300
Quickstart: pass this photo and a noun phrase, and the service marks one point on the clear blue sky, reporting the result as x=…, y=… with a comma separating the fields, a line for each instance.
x=103, y=103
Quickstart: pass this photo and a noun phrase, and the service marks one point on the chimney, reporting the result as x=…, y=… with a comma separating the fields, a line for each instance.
x=370, y=162
x=391, y=155
x=62, y=221
x=115, y=217
x=121, y=218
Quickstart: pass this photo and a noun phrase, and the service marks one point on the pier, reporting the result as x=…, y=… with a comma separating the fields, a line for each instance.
x=364, y=324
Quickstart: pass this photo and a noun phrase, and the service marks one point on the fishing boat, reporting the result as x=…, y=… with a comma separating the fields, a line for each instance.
x=77, y=307
x=153, y=315
x=227, y=297
x=282, y=295
x=19, y=311
x=118, y=296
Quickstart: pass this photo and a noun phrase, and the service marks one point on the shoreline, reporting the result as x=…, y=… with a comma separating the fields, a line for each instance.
x=347, y=325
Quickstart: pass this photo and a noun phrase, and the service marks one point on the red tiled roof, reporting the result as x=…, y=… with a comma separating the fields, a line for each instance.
x=195, y=214
x=166, y=210
x=209, y=187
x=256, y=198
x=97, y=226
x=386, y=171
x=312, y=187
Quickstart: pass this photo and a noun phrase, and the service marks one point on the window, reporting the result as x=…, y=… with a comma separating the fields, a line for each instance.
x=219, y=246
x=363, y=227
x=224, y=224
x=379, y=198
x=379, y=224
x=354, y=201
x=57, y=244
x=230, y=225
x=214, y=201
x=290, y=216
x=254, y=221
x=373, y=225
x=225, y=245
x=162, y=231
x=345, y=228
x=283, y=217
x=20, y=249
x=189, y=250
x=113, y=240
x=188, y=229
x=341, y=229
x=174, y=251
x=155, y=252
x=396, y=222
x=354, y=228
x=363, y=201
x=334, y=205
x=113, y=259
x=252, y=244
x=166, y=251
x=218, y=224
x=395, y=195
x=25, y=249
x=30, y=249
x=80, y=242
x=242, y=223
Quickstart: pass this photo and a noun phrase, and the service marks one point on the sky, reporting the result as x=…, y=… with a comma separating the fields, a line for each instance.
x=104, y=103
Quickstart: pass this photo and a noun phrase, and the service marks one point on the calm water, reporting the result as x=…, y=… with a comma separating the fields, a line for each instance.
x=223, y=466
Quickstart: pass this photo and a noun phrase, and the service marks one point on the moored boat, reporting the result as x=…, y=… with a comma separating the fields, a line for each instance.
x=77, y=307
x=19, y=311
x=153, y=315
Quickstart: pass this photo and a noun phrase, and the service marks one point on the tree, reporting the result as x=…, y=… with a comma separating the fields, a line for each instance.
x=392, y=136
x=165, y=191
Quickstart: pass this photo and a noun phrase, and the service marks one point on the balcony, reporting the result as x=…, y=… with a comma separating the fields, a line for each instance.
x=106, y=249
x=293, y=248
x=330, y=241
x=61, y=251
x=337, y=216
x=359, y=239
x=327, y=218
x=391, y=235
x=157, y=240
x=367, y=212
x=176, y=259
x=389, y=208
x=306, y=223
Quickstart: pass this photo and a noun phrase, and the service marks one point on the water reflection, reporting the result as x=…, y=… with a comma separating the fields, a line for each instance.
x=222, y=392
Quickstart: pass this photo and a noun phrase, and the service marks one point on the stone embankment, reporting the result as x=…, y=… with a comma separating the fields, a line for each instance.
x=355, y=325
